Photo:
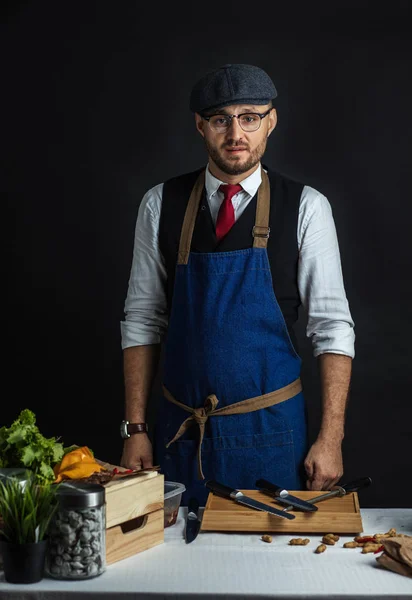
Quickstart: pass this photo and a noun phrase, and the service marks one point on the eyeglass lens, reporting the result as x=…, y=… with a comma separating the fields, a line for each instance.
x=247, y=121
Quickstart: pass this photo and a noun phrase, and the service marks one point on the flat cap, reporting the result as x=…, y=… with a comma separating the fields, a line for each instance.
x=232, y=84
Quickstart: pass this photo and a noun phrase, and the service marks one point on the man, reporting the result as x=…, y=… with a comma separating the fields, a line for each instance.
x=223, y=258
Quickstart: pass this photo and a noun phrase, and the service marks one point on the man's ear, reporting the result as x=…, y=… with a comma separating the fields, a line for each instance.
x=200, y=124
x=273, y=119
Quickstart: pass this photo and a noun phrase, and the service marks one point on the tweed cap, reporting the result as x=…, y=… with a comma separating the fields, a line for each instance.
x=232, y=84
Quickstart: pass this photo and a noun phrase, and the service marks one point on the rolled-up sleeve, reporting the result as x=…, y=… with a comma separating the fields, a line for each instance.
x=320, y=280
x=146, y=306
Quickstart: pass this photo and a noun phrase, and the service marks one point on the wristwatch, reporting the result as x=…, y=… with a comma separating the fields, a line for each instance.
x=126, y=428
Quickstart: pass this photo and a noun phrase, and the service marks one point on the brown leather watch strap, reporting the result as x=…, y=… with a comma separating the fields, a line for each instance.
x=137, y=428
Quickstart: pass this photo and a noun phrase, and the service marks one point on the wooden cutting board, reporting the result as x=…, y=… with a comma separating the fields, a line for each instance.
x=335, y=515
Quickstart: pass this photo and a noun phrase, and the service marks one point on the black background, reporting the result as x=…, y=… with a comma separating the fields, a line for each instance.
x=95, y=112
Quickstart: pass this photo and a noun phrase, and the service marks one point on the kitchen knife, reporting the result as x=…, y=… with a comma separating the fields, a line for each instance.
x=283, y=496
x=192, y=520
x=340, y=490
x=240, y=498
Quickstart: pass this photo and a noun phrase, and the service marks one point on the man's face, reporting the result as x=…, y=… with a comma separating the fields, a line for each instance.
x=235, y=151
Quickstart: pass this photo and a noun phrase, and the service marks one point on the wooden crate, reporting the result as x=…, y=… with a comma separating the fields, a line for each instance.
x=134, y=515
x=335, y=515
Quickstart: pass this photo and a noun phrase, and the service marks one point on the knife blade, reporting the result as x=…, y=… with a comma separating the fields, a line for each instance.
x=238, y=496
x=192, y=520
x=283, y=497
x=340, y=490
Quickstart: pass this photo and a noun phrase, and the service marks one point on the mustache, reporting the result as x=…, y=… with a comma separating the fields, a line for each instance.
x=235, y=145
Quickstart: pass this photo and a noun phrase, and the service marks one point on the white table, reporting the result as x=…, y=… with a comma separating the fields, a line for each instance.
x=239, y=566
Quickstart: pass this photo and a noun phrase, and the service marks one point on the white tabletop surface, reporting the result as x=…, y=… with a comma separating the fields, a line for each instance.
x=239, y=566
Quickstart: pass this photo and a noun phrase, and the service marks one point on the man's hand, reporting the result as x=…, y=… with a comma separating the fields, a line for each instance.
x=324, y=465
x=137, y=452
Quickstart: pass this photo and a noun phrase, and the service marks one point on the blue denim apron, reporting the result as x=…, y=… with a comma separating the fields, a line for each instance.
x=227, y=337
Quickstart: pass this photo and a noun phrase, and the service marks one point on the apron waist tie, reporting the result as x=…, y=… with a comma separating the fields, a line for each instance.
x=201, y=415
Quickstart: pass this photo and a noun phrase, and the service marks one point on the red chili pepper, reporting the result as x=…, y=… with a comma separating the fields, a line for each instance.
x=379, y=549
x=364, y=540
x=117, y=472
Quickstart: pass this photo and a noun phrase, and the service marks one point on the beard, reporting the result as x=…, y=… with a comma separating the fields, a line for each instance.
x=232, y=165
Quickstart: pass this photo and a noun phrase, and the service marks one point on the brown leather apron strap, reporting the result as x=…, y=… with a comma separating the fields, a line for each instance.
x=260, y=230
x=190, y=220
x=201, y=415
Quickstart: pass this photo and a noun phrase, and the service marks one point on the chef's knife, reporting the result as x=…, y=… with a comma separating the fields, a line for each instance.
x=283, y=496
x=192, y=521
x=340, y=490
x=240, y=498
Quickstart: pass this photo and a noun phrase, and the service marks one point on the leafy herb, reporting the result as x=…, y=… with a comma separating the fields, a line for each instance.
x=26, y=509
x=22, y=445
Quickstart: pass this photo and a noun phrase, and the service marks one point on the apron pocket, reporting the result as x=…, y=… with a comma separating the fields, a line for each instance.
x=239, y=460
x=235, y=460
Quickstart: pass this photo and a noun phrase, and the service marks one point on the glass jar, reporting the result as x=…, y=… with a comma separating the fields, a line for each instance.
x=77, y=533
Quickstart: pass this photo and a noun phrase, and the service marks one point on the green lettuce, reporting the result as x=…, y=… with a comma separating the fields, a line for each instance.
x=23, y=446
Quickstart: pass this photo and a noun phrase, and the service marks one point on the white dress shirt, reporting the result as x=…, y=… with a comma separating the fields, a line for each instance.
x=320, y=282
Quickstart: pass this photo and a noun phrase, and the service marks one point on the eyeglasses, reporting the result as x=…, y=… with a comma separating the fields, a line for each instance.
x=247, y=121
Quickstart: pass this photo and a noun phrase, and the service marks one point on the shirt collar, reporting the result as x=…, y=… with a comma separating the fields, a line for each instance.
x=250, y=184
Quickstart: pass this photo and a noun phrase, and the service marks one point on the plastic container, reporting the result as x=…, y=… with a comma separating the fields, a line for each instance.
x=173, y=498
x=77, y=534
x=22, y=475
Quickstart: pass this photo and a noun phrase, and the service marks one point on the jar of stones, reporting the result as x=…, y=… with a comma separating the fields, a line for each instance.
x=77, y=533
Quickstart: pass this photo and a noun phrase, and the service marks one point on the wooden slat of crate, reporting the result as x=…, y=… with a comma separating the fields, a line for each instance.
x=134, y=536
x=133, y=497
x=335, y=515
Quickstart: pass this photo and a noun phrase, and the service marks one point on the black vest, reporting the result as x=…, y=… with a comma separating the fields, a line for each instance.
x=282, y=245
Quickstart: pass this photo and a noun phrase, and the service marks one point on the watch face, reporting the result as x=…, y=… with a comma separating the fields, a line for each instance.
x=123, y=429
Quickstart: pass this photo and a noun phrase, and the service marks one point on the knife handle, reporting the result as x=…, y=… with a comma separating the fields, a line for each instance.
x=267, y=485
x=357, y=484
x=193, y=506
x=220, y=489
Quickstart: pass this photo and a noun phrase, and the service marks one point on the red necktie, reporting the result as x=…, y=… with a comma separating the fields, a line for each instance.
x=226, y=215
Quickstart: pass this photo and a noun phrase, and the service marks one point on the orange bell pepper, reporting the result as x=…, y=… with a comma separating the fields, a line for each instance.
x=77, y=464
